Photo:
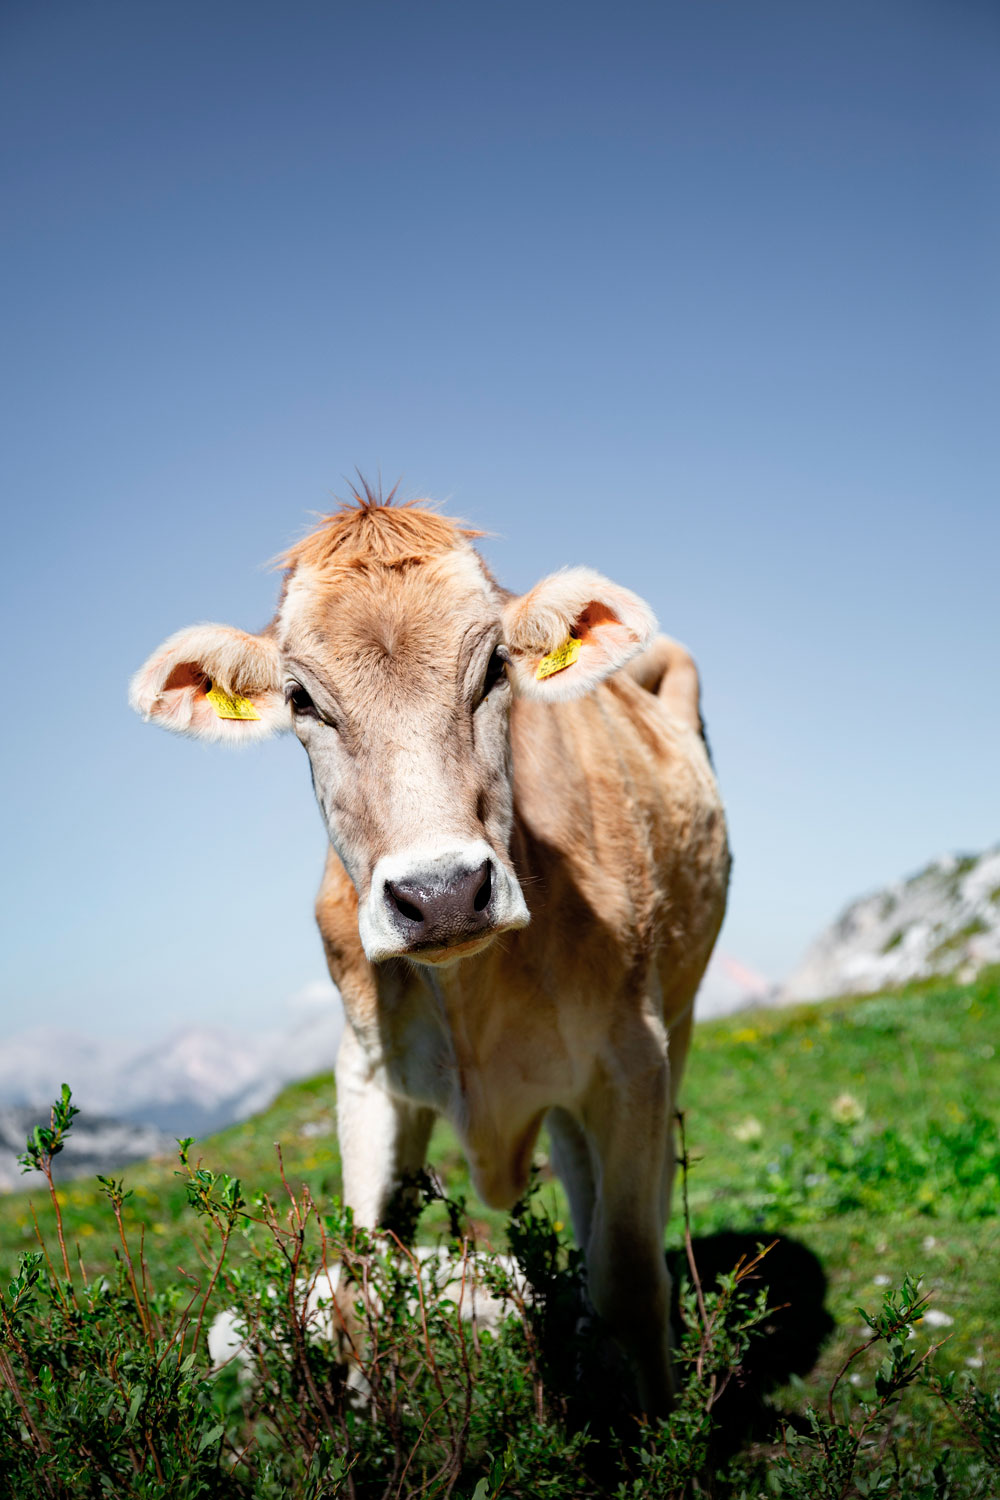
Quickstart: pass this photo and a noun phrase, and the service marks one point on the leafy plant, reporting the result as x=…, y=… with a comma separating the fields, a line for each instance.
x=353, y=1373
x=833, y=1166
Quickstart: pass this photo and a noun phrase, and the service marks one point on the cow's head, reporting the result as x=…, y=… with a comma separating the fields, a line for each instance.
x=394, y=656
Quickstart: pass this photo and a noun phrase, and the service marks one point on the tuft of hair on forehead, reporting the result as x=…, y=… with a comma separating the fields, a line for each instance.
x=375, y=532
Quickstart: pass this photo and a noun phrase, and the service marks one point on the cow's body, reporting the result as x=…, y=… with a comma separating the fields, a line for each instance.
x=566, y=993
x=619, y=846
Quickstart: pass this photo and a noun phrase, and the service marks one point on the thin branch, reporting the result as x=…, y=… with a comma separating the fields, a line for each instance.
x=227, y=1232
x=684, y=1163
x=45, y=1251
x=47, y=1169
x=140, y=1308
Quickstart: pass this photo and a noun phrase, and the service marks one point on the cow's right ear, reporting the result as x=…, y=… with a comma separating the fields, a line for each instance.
x=573, y=630
x=215, y=683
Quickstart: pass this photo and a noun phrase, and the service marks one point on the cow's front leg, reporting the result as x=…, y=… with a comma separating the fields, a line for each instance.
x=573, y=1163
x=627, y=1121
x=382, y=1138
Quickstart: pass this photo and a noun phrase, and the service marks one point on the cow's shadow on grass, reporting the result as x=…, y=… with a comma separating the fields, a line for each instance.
x=789, y=1340
x=600, y=1393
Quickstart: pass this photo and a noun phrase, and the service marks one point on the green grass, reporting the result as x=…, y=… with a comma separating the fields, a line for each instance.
x=867, y=1129
x=766, y=1101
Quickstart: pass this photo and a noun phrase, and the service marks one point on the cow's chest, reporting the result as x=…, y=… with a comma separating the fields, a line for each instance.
x=490, y=1065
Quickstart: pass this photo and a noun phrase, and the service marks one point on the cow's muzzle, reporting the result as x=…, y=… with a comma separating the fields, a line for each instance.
x=435, y=912
x=441, y=907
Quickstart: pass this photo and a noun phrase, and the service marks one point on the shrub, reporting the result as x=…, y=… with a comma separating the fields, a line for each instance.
x=107, y=1390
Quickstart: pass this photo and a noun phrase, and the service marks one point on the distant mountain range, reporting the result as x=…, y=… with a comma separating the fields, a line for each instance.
x=943, y=920
x=137, y=1098
x=95, y=1145
x=192, y=1083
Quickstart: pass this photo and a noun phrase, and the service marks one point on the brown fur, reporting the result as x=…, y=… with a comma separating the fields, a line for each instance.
x=626, y=890
x=374, y=533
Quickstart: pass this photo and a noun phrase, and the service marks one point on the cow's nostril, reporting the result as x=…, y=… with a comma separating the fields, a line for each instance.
x=435, y=907
x=405, y=908
x=485, y=891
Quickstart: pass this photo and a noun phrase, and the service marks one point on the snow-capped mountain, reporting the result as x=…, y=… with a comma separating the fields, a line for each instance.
x=94, y=1145
x=943, y=920
x=135, y=1099
x=193, y=1082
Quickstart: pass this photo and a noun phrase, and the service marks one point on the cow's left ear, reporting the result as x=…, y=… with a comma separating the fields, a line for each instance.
x=571, y=632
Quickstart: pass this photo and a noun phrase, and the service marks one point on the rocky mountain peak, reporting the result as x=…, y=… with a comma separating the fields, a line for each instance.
x=943, y=920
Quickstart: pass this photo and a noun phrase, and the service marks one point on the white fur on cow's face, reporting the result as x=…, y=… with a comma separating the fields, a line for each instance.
x=401, y=699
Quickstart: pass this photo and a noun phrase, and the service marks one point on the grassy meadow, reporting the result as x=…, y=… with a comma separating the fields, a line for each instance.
x=868, y=1130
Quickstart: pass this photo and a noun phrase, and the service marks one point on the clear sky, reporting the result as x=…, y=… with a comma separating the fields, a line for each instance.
x=703, y=294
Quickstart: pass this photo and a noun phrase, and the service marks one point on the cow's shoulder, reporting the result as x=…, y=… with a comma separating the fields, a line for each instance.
x=621, y=757
x=337, y=918
x=620, y=830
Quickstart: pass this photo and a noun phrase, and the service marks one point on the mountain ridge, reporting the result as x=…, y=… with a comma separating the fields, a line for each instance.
x=945, y=919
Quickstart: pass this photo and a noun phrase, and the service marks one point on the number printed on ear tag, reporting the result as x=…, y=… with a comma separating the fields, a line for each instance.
x=558, y=660
x=228, y=707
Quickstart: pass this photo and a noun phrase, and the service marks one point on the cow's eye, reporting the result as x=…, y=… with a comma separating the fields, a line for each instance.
x=300, y=702
x=495, y=670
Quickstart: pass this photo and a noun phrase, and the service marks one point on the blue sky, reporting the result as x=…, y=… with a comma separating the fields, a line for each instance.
x=704, y=295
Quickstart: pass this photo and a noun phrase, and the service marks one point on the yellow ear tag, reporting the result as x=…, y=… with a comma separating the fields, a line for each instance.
x=558, y=660
x=231, y=708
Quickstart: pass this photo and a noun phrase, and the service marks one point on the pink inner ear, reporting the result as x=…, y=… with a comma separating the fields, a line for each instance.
x=594, y=615
x=186, y=675
x=602, y=633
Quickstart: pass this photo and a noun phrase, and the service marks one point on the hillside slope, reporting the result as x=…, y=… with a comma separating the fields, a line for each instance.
x=867, y=1129
x=943, y=920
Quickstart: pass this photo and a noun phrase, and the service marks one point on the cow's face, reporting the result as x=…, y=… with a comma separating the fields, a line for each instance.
x=398, y=688
x=398, y=681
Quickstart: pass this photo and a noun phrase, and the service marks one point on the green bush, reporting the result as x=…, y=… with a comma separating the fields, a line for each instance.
x=106, y=1386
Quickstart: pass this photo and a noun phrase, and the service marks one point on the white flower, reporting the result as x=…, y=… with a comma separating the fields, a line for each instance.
x=847, y=1110
x=935, y=1318
x=749, y=1131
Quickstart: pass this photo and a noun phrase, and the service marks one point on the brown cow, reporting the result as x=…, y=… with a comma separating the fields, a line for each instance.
x=527, y=871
